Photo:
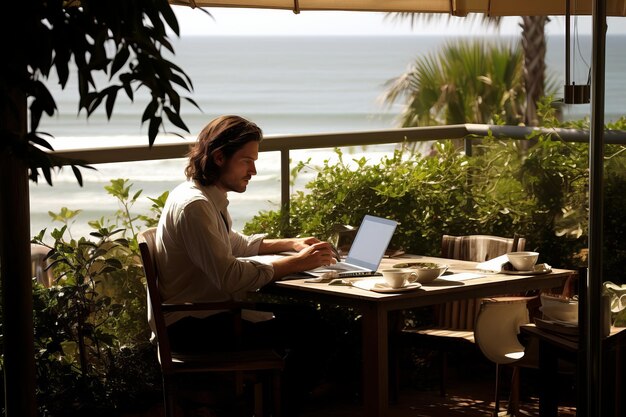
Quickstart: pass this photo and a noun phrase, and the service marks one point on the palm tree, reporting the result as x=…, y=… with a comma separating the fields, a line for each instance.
x=466, y=82
x=534, y=47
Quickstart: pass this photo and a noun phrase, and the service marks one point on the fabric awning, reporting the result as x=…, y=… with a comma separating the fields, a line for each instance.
x=452, y=7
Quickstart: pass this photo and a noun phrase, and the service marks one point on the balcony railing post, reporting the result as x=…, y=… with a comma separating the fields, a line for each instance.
x=284, y=191
x=468, y=145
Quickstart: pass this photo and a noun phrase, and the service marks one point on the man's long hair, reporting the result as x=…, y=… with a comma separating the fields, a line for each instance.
x=227, y=134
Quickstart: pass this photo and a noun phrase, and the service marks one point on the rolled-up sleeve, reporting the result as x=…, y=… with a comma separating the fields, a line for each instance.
x=245, y=245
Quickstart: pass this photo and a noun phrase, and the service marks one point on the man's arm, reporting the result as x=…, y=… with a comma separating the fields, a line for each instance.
x=269, y=246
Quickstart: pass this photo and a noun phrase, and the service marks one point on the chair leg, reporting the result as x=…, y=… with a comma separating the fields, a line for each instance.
x=169, y=397
x=496, y=410
x=258, y=399
x=513, y=406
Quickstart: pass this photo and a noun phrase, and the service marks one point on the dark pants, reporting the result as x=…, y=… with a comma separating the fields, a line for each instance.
x=296, y=332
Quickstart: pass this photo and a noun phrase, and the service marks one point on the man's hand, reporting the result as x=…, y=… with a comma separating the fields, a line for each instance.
x=300, y=243
x=317, y=254
x=312, y=256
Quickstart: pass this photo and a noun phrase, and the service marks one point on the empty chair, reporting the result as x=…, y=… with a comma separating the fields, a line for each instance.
x=460, y=315
x=479, y=248
x=38, y=254
x=454, y=321
x=496, y=330
x=263, y=367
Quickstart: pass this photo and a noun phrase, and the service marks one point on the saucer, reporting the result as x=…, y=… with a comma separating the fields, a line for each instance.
x=383, y=288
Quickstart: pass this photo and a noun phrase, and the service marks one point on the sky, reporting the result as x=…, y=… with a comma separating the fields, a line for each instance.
x=229, y=21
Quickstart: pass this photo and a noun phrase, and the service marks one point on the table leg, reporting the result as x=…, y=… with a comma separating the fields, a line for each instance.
x=609, y=382
x=548, y=364
x=375, y=362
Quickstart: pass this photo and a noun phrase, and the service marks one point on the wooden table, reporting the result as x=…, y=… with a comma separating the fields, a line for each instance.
x=375, y=309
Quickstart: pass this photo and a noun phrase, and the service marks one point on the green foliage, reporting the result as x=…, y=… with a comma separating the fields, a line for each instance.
x=123, y=41
x=94, y=316
x=536, y=189
x=427, y=194
x=157, y=207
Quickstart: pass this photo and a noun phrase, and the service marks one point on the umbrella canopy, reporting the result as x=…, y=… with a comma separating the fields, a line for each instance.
x=452, y=7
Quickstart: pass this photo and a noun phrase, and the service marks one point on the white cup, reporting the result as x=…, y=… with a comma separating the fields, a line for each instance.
x=398, y=278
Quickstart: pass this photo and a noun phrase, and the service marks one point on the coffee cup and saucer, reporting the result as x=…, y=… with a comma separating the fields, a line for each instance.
x=397, y=280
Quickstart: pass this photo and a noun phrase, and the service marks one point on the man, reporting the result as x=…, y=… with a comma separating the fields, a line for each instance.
x=201, y=258
x=198, y=253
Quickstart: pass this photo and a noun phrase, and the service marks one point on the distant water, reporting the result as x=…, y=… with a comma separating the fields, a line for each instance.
x=286, y=85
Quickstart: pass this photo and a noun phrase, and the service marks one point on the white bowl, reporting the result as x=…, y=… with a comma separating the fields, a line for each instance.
x=523, y=261
x=426, y=271
x=559, y=308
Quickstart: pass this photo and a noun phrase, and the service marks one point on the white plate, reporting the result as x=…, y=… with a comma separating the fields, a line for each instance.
x=383, y=288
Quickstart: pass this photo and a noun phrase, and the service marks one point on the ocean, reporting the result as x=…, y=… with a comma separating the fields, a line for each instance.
x=287, y=85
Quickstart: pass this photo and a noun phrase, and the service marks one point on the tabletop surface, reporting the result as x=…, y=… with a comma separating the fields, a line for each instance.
x=440, y=286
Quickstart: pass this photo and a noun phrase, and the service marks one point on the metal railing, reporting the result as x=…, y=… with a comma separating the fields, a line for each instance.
x=286, y=143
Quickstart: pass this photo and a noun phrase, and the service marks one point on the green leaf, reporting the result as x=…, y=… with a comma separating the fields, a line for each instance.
x=175, y=118
x=77, y=174
x=153, y=130
x=119, y=61
x=115, y=263
x=170, y=18
x=110, y=101
x=34, y=138
x=136, y=195
x=150, y=110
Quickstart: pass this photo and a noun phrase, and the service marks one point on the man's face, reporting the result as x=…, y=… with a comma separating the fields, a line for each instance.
x=238, y=169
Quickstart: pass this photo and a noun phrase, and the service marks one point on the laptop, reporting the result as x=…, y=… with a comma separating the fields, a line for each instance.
x=367, y=250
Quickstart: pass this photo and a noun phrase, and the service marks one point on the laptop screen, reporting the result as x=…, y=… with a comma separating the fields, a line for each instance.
x=371, y=242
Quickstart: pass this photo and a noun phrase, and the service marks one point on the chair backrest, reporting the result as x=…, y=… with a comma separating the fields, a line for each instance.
x=497, y=327
x=147, y=247
x=461, y=314
x=479, y=248
x=40, y=265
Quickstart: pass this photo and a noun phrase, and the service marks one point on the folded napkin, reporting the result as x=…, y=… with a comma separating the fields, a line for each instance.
x=462, y=276
x=493, y=265
x=325, y=278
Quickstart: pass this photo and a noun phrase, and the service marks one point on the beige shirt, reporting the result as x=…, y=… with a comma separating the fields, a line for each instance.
x=198, y=253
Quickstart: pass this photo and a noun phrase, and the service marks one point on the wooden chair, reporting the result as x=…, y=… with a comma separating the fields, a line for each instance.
x=258, y=366
x=454, y=321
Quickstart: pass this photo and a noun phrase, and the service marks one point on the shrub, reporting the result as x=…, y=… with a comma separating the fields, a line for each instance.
x=91, y=332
